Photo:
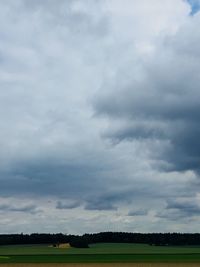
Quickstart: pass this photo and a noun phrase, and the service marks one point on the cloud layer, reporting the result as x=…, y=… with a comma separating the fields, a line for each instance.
x=99, y=115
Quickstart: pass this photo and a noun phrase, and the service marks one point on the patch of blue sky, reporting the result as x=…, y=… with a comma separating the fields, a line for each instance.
x=195, y=6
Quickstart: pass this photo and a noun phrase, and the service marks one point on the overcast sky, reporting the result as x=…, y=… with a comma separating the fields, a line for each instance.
x=99, y=116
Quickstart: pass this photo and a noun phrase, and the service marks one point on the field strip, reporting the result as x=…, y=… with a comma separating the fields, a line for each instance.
x=102, y=265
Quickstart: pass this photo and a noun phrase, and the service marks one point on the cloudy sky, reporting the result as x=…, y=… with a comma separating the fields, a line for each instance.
x=99, y=116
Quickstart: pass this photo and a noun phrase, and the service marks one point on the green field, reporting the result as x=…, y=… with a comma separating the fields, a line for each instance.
x=99, y=253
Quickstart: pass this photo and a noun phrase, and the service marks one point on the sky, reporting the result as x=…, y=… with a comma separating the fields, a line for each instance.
x=99, y=116
x=195, y=6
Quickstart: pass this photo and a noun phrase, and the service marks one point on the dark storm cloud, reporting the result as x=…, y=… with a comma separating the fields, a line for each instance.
x=137, y=132
x=188, y=208
x=100, y=205
x=75, y=185
x=138, y=213
x=67, y=205
x=78, y=184
x=177, y=209
x=51, y=178
x=164, y=105
x=26, y=208
x=112, y=198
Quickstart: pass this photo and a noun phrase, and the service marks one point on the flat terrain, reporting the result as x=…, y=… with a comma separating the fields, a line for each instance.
x=107, y=265
x=100, y=253
x=100, y=248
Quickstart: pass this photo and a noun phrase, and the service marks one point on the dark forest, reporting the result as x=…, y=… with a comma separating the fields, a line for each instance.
x=161, y=239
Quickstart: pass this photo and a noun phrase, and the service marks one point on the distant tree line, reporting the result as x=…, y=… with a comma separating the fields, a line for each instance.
x=161, y=239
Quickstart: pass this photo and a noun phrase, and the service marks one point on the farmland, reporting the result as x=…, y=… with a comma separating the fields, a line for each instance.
x=105, y=265
x=100, y=253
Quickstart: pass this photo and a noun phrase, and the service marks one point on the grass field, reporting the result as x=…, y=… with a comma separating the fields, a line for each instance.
x=99, y=253
x=101, y=248
x=104, y=265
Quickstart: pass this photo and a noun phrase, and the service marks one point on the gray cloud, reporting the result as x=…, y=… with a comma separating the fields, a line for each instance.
x=138, y=213
x=56, y=57
x=67, y=205
x=164, y=104
x=100, y=205
x=111, y=198
x=26, y=208
x=187, y=207
x=180, y=209
x=53, y=178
